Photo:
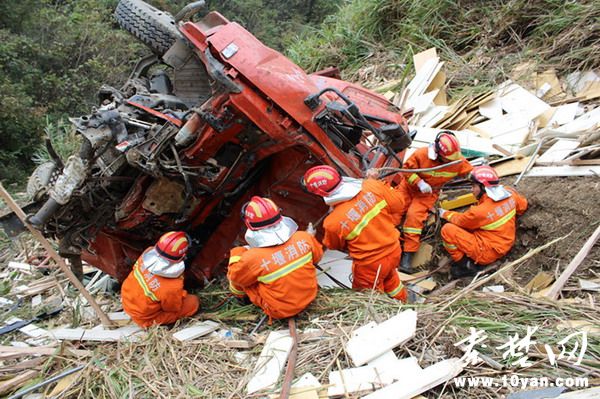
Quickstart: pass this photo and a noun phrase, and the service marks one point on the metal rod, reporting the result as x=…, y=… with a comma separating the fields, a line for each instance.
x=46, y=382
x=286, y=386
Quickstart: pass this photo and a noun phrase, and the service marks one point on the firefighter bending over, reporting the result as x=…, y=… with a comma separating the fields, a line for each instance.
x=276, y=271
x=421, y=190
x=362, y=222
x=153, y=292
x=486, y=232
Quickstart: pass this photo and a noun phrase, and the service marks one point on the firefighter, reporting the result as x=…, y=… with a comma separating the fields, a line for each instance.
x=276, y=270
x=153, y=292
x=361, y=222
x=486, y=232
x=421, y=190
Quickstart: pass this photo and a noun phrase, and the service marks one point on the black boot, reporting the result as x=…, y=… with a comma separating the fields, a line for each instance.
x=405, y=263
x=463, y=268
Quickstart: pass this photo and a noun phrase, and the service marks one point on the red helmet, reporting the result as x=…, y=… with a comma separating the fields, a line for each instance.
x=260, y=212
x=321, y=180
x=447, y=146
x=172, y=245
x=485, y=175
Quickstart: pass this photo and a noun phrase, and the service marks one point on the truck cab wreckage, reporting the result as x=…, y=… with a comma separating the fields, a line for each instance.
x=210, y=119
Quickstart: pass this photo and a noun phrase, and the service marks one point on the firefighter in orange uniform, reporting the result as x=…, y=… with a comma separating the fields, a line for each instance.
x=421, y=190
x=362, y=223
x=276, y=271
x=153, y=292
x=486, y=232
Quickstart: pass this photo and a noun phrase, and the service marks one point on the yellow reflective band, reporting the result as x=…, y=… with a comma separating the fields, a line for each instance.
x=142, y=282
x=449, y=246
x=500, y=222
x=411, y=230
x=448, y=215
x=435, y=173
x=234, y=259
x=366, y=219
x=234, y=290
x=285, y=270
x=397, y=290
x=412, y=178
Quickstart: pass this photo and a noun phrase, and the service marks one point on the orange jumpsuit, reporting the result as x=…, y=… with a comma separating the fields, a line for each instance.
x=486, y=232
x=150, y=299
x=365, y=227
x=282, y=279
x=417, y=204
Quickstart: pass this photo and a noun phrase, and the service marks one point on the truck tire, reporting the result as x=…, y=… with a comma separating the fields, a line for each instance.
x=41, y=180
x=155, y=28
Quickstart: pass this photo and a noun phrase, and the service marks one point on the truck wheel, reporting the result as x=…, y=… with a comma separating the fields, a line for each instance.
x=153, y=27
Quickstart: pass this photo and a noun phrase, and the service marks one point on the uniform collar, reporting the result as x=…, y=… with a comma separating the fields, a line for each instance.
x=348, y=189
x=431, y=153
x=272, y=235
x=497, y=193
x=160, y=266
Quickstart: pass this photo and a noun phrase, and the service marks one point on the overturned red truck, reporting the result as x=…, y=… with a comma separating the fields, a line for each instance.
x=211, y=118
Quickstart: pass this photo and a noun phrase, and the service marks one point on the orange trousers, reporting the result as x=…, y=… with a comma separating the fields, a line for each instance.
x=388, y=281
x=190, y=306
x=460, y=242
x=417, y=206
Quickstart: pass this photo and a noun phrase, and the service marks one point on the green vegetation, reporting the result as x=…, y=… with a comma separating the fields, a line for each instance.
x=478, y=38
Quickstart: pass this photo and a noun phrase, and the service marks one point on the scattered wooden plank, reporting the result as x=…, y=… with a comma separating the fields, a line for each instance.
x=382, y=337
x=271, y=361
x=579, y=325
x=420, y=382
x=559, y=150
x=22, y=267
x=195, y=331
x=587, y=121
x=556, y=171
x=11, y=352
x=420, y=59
x=31, y=330
x=577, y=260
x=539, y=282
x=412, y=277
x=491, y=109
x=515, y=99
x=578, y=80
x=591, y=393
x=512, y=167
x=564, y=114
x=307, y=387
x=16, y=382
x=119, y=318
x=64, y=384
x=128, y=333
x=368, y=378
x=338, y=265
x=589, y=285
x=423, y=255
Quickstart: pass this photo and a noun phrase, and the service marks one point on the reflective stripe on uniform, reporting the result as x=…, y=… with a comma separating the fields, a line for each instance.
x=366, y=219
x=411, y=230
x=235, y=291
x=234, y=259
x=500, y=222
x=396, y=290
x=449, y=246
x=142, y=282
x=412, y=178
x=448, y=215
x=435, y=173
x=285, y=270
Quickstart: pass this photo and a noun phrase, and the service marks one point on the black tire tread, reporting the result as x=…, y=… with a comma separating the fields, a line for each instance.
x=154, y=28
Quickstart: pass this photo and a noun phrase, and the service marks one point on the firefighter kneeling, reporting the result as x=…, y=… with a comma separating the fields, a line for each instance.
x=363, y=223
x=486, y=232
x=153, y=292
x=276, y=271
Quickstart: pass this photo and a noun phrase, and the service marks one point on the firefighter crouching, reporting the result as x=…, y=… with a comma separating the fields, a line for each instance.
x=362, y=222
x=421, y=190
x=486, y=232
x=153, y=292
x=276, y=271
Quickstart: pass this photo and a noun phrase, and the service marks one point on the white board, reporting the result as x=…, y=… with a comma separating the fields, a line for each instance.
x=515, y=99
x=559, y=150
x=418, y=383
x=382, y=337
x=338, y=265
x=127, y=333
x=271, y=361
x=556, y=171
x=491, y=109
x=195, y=331
x=564, y=114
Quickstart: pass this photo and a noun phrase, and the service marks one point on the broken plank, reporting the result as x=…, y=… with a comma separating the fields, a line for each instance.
x=127, y=333
x=573, y=265
x=271, y=361
x=368, y=378
x=337, y=265
x=558, y=171
x=512, y=167
x=589, y=285
x=23, y=267
x=196, y=330
x=559, y=150
x=423, y=255
x=539, y=282
x=382, y=337
x=421, y=382
x=11, y=352
x=18, y=381
x=119, y=318
x=564, y=114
